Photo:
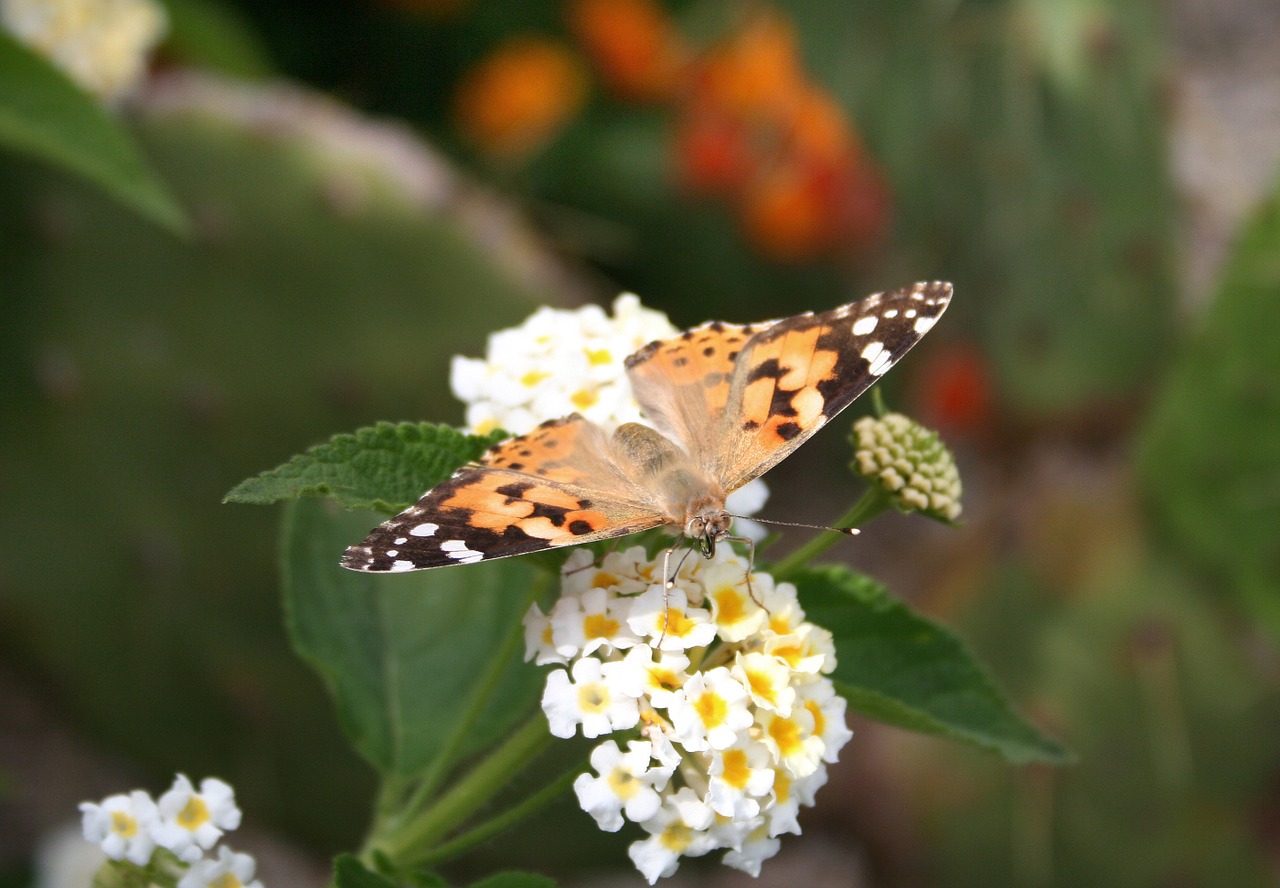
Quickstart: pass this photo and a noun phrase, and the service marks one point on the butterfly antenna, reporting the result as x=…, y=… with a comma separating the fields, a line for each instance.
x=847, y=531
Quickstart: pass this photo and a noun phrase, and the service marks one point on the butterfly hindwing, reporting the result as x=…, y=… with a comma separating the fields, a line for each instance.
x=555, y=486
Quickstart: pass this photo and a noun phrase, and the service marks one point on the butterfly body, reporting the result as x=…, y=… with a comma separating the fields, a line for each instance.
x=727, y=403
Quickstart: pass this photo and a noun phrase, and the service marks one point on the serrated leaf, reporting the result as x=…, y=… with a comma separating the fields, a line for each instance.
x=403, y=654
x=44, y=114
x=384, y=467
x=900, y=668
x=515, y=880
x=349, y=872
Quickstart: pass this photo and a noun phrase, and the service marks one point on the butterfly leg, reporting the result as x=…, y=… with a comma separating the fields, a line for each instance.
x=751, y=565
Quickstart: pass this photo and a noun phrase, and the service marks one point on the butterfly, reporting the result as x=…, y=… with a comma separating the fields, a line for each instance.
x=727, y=402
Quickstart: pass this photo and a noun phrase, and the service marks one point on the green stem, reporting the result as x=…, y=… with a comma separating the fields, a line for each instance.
x=468, y=794
x=503, y=821
x=497, y=668
x=872, y=503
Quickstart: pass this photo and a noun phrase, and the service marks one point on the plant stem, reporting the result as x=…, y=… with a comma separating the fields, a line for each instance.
x=503, y=821
x=468, y=794
x=872, y=503
x=438, y=769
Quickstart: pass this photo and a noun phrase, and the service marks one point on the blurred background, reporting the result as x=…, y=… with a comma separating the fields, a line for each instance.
x=374, y=186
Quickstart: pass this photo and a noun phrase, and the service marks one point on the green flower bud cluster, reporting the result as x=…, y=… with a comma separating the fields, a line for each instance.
x=910, y=463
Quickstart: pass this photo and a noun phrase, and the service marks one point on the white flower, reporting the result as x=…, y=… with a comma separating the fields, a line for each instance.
x=758, y=847
x=626, y=783
x=594, y=620
x=828, y=711
x=593, y=699
x=791, y=740
x=671, y=837
x=739, y=777
x=230, y=870
x=539, y=639
x=121, y=825
x=767, y=679
x=665, y=615
x=809, y=649
x=657, y=679
x=710, y=710
x=558, y=362
x=733, y=608
x=101, y=44
x=192, y=822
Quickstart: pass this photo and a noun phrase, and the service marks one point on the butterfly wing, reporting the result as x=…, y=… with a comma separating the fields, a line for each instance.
x=556, y=486
x=682, y=384
x=793, y=376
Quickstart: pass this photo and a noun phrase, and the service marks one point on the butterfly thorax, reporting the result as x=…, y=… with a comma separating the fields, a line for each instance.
x=691, y=498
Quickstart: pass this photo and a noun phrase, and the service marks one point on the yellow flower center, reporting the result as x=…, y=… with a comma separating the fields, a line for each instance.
x=593, y=697
x=599, y=356
x=736, y=770
x=677, y=623
x=664, y=679
x=761, y=685
x=676, y=837
x=123, y=825
x=226, y=880
x=533, y=377
x=779, y=624
x=791, y=653
x=599, y=626
x=584, y=398
x=786, y=733
x=623, y=783
x=194, y=814
x=819, y=721
x=547, y=634
x=486, y=427
x=711, y=708
x=729, y=605
x=781, y=786
x=603, y=580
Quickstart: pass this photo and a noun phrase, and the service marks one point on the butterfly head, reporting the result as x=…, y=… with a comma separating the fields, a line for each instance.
x=707, y=527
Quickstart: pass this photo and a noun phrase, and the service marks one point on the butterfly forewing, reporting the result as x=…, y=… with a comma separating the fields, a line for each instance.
x=556, y=486
x=795, y=375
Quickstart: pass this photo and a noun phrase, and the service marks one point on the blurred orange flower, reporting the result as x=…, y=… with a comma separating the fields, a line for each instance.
x=754, y=129
x=516, y=98
x=636, y=49
x=955, y=391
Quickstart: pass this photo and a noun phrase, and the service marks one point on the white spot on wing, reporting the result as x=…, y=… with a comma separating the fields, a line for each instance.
x=891, y=313
x=458, y=551
x=400, y=566
x=863, y=326
x=881, y=364
x=872, y=351
x=923, y=324
x=400, y=541
x=392, y=553
x=425, y=529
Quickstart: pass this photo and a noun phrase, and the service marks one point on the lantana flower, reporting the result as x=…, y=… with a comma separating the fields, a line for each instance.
x=121, y=825
x=229, y=870
x=191, y=822
x=103, y=45
x=736, y=728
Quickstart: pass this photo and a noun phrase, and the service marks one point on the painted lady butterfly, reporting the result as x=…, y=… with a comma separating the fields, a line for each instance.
x=727, y=402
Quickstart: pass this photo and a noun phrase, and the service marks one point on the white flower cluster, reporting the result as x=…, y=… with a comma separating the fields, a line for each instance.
x=184, y=822
x=722, y=687
x=562, y=361
x=101, y=44
x=910, y=462
x=558, y=362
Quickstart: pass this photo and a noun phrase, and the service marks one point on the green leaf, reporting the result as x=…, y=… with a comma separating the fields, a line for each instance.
x=897, y=667
x=404, y=654
x=1209, y=449
x=45, y=114
x=384, y=467
x=515, y=880
x=213, y=35
x=349, y=872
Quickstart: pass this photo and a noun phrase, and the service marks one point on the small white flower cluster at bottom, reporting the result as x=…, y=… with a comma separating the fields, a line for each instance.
x=722, y=685
x=184, y=822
